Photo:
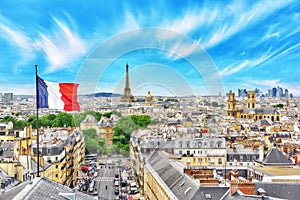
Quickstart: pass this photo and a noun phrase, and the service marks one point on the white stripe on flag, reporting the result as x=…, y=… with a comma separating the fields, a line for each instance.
x=54, y=98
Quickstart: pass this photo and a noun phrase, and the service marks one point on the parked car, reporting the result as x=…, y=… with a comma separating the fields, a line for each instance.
x=116, y=191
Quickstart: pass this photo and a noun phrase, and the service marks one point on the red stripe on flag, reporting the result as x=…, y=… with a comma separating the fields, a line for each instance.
x=69, y=96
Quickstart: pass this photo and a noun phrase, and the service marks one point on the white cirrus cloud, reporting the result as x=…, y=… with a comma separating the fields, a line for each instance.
x=258, y=60
x=61, y=48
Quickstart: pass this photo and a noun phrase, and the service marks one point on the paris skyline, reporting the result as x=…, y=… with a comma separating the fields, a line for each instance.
x=251, y=43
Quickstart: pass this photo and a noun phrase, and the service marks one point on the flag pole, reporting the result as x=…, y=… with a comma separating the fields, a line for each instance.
x=37, y=121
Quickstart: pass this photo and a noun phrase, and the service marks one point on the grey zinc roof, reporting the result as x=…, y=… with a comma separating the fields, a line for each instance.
x=34, y=166
x=181, y=185
x=158, y=142
x=288, y=191
x=263, y=122
x=208, y=142
x=260, y=110
x=275, y=157
x=11, y=193
x=211, y=193
x=90, y=119
x=172, y=177
x=44, y=189
x=7, y=149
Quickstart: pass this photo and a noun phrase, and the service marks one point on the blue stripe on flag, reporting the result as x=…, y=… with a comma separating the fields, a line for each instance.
x=42, y=94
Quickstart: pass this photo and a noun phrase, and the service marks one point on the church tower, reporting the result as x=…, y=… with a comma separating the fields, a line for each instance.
x=231, y=105
x=251, y=101
x=149, y=99
x=127, y=96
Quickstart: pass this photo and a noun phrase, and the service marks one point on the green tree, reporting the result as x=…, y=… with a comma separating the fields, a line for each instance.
x=114, y=112
x=93, y=142
x=215, y=104
x=280, y=105
x=107, y=114
x=98, y=116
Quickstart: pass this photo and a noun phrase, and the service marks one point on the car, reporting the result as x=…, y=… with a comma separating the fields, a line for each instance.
x=116, y=191
x=116, y=183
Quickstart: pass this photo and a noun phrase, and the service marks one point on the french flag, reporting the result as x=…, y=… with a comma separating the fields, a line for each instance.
x=62, y=96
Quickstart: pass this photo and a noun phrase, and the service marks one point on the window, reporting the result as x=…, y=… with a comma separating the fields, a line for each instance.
x=200, y=160
x=180, y=152
x=188, y=152
x=220, y=161
x=56, y=175
x=199, y=144
x=180, y=144
x=56, y=158
x=188, y=144
x=241, y=158
x=48, y=151
x=56, y=166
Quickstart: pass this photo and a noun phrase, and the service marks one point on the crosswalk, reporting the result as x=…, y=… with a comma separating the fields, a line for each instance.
x=104, y=179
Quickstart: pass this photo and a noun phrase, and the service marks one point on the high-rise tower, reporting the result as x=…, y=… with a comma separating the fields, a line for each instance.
x=127, y=96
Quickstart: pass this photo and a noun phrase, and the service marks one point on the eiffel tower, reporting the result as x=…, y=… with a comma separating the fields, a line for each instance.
x=127, y=96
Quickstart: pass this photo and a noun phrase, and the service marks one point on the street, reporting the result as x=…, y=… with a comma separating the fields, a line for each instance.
x=104, y=182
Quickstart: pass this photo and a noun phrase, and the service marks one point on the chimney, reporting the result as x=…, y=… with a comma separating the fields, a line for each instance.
x=245, y=186
x=261, y=153
x=234, y=174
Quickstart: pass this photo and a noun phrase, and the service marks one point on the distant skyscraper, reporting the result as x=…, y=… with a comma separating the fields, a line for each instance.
x=274, y=91
x=257, y=92
x=1, y=96
x=127, y=96
x=279, y=92
x=286, y=93
x=8, y=98
x=269, y=92
x=242, y=93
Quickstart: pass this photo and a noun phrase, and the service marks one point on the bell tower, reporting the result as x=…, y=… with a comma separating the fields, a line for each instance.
x=251, y=101
x=231, y=105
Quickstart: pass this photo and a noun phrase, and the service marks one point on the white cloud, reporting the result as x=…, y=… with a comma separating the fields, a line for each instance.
x=265, y=82
x=270, y=35
x=14, y=36
x=61, y=48
x=259, y=60
x=231, y=69
x=241, y=18
x=16, y=89
x=192, y=19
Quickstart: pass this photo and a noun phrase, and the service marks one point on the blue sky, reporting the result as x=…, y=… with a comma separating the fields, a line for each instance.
x=247, y=44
